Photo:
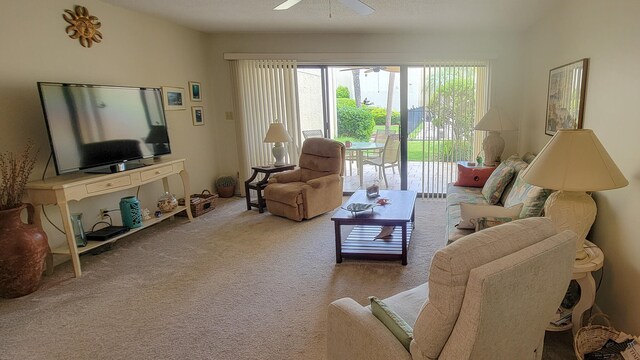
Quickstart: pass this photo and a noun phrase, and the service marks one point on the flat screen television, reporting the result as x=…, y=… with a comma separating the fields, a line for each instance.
x=101, y=128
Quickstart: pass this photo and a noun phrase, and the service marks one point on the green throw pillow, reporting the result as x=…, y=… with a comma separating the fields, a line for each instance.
x=398, y=327
x=497, y=182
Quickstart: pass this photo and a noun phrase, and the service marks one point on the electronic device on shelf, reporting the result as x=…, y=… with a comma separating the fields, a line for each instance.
x=103, y=128
x=107, y=233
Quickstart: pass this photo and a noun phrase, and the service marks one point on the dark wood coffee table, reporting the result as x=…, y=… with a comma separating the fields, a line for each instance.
x=360, y=241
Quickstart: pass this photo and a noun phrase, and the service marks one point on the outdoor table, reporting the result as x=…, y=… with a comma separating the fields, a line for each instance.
x=359, y=148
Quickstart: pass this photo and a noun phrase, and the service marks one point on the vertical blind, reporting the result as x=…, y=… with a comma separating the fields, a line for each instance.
x=264, y=91
x=456, y=96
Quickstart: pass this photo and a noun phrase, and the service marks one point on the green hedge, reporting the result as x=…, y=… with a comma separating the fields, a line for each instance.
x=380, y=116
x=344, y=102
x=342, y=92
x=355, y=122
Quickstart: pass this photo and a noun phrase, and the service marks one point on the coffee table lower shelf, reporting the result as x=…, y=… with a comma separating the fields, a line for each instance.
x=360, y=243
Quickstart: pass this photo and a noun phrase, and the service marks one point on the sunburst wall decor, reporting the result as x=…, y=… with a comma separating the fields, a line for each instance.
x=83, y=26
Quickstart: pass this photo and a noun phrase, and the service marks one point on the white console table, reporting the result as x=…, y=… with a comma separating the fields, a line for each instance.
x=61, y=189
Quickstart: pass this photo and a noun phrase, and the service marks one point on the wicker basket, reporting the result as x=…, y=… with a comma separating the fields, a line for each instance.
x=200, y=203
x=592, y=337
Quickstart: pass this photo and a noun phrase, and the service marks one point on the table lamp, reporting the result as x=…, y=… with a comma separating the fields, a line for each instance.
x=277, y=134
x=494, y=121
x=573, y=162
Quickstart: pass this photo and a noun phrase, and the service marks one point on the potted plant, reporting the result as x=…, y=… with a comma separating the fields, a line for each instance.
x=226, y=186
x=23, y=247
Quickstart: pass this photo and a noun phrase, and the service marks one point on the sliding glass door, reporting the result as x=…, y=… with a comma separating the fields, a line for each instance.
x=361, y=106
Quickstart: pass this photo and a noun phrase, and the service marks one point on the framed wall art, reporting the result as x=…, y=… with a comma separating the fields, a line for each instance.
x=173, y=98
x=198, y=115
x=565, y=97
x=194, y=90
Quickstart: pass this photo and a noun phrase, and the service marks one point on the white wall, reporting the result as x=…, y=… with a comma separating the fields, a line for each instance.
x=607, y=33
x=503, y=50
x=137, y=50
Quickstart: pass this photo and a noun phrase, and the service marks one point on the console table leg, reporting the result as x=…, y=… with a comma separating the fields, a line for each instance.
x=187, y=192
x=71, y=241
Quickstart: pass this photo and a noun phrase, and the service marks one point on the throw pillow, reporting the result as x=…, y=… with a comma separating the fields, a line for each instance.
x=486, y=222
x=496, y=183
x=530, y=196
x=528, y=157
x=473, y=177
x=518, y=165
x=398, y=327
x=470, y=213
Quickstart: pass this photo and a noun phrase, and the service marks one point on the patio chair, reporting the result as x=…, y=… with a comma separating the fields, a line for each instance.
x=380, y=137
x=388, y=158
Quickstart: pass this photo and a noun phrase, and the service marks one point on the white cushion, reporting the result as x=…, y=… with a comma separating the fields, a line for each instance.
x=469, y=213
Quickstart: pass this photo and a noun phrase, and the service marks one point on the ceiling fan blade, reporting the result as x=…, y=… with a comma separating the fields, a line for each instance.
x=287, y=4
x=357, y=68
x=358, y=6
x=395, y=69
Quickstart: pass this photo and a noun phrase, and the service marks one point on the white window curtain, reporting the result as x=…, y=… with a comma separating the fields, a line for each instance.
x=264, y=91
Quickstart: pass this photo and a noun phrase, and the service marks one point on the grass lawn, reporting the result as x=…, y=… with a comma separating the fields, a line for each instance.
x=415, y=147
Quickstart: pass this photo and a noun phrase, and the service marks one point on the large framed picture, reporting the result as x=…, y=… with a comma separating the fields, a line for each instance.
x=565, y=98
x=194, y=90
x=198, y=115
x=173, y=98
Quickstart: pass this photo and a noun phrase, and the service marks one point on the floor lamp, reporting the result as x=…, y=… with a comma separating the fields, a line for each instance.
x=573, y=162
x=277, y=134
x=494, y=122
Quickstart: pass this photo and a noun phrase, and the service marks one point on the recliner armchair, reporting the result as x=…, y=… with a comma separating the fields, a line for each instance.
x=490, y=295
x=314, y=188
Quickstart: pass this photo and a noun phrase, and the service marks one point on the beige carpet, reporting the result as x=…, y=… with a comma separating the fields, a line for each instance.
x=233, y=284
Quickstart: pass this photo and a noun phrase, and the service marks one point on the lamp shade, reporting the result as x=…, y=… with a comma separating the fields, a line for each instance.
x=277, y=134
x=574, y=160
x=495, y=120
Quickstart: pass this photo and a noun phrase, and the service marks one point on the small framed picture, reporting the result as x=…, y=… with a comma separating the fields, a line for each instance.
x=173, y=98
x=194, y=89
x=198, y=115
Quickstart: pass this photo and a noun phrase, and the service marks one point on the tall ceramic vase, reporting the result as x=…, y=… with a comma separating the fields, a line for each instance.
x=23, y=250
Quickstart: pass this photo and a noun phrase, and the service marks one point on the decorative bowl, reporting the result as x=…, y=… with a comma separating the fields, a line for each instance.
x=355, y=208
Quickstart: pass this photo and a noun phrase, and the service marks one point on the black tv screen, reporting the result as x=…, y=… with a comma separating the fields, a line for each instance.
x=95, y=126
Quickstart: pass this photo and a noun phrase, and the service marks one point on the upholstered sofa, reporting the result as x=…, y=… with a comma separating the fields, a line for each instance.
x=501, y=189
x=490, y=295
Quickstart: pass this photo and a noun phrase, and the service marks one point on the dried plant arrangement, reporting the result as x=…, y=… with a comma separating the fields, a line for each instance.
x=14, y=174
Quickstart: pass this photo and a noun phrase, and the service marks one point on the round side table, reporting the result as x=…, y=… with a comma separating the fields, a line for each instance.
x=582, y=274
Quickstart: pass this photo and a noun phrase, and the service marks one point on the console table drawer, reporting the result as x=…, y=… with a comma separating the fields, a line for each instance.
x=109, y=184
x=159, y=172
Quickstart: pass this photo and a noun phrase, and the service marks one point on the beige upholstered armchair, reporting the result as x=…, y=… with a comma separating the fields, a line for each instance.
x=312, y=189
x=490, y=295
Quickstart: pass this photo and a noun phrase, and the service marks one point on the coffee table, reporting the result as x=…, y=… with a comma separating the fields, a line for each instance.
x=361, y=242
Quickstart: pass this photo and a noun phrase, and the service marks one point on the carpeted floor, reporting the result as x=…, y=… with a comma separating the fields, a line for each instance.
x=233, y=284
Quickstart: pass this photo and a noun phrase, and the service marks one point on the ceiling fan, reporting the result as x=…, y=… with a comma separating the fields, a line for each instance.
x=355, y=5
